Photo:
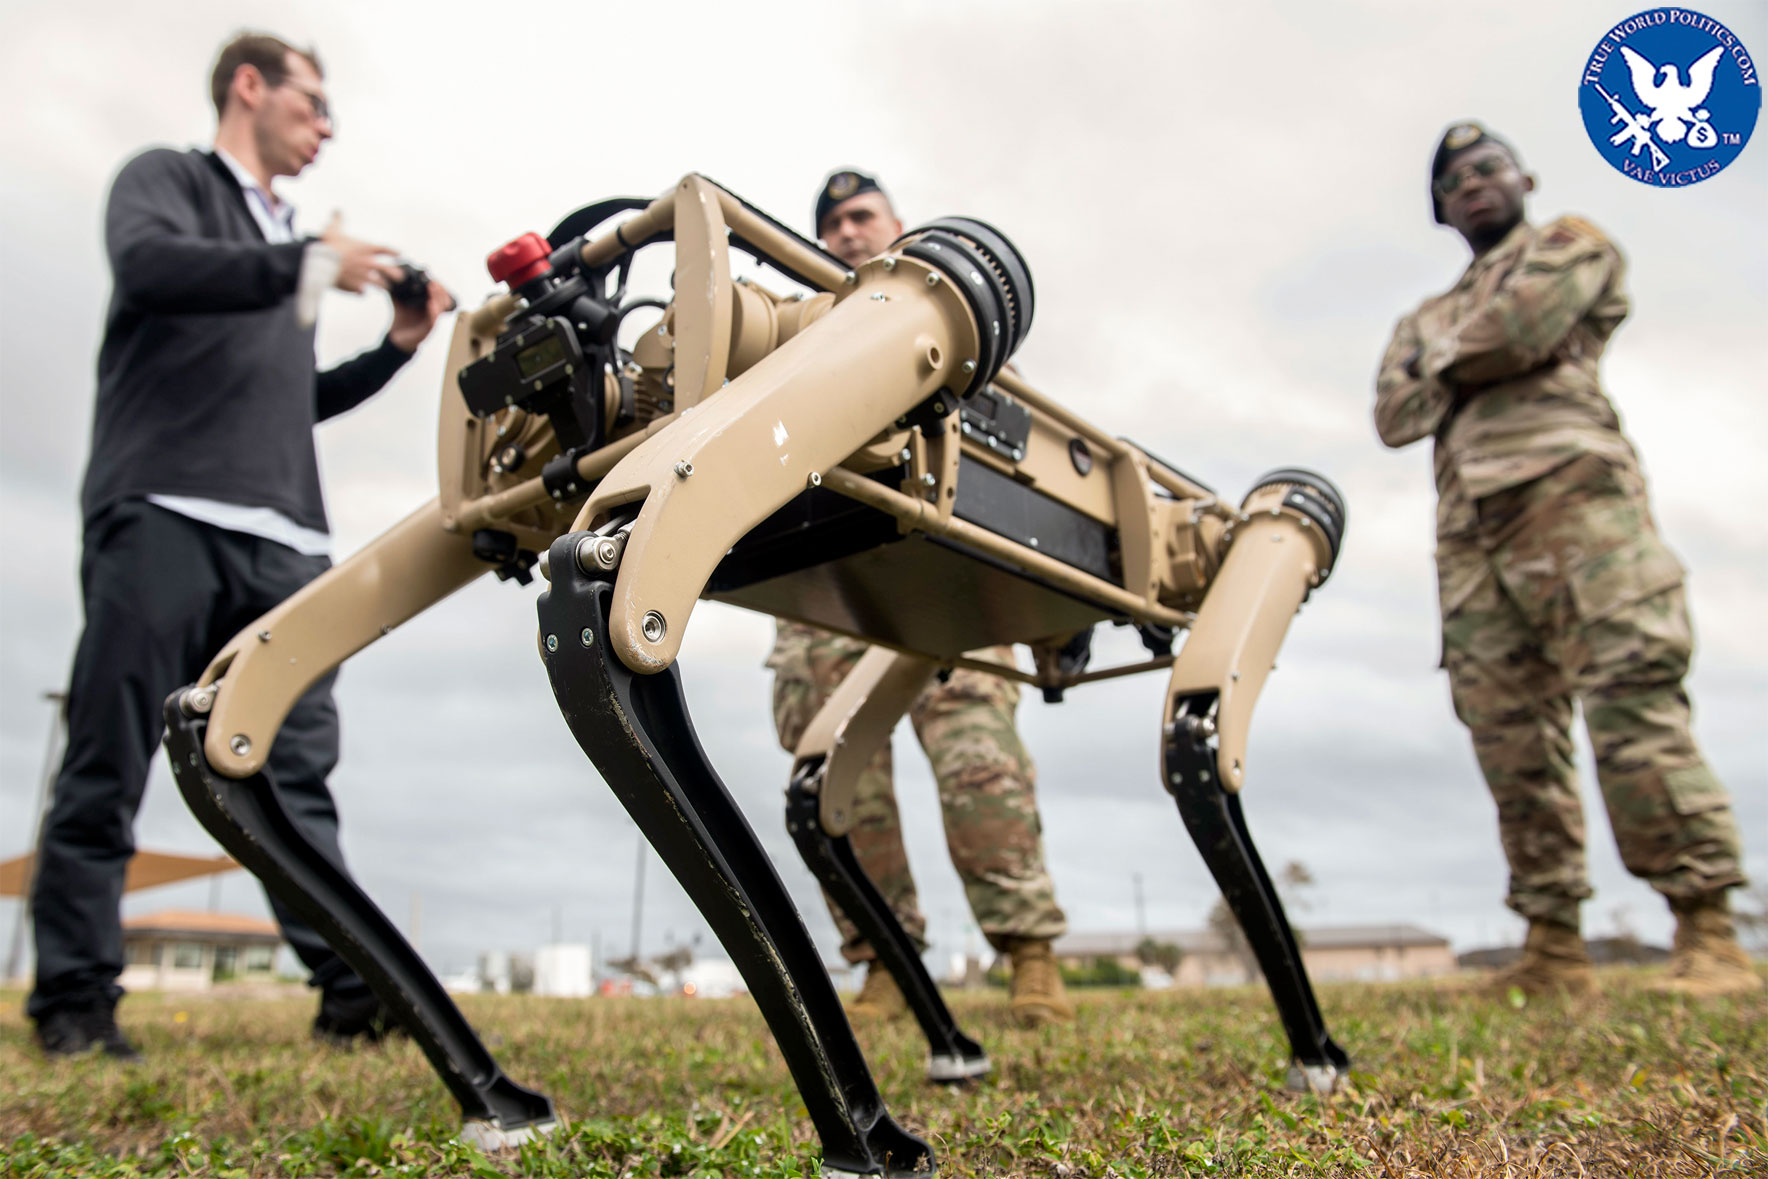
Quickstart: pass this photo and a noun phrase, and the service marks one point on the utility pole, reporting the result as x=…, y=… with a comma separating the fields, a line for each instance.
x=638, y=899
x=51, y=756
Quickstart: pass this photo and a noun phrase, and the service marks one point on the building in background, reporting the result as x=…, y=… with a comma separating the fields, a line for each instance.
x=1343, y=953
x=563, y=970
x=181, y=950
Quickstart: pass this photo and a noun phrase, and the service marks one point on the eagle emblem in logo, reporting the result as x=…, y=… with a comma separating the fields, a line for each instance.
x=1675, y=107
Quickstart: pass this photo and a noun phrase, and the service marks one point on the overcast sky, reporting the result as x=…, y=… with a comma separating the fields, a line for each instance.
x=1225, y=210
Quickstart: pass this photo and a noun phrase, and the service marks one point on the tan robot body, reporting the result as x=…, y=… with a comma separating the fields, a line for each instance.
x=856, y=458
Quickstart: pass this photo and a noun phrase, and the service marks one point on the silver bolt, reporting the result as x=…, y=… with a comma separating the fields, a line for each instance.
x=928, y=480
x=653, y=627
x=933, y=280
x=241, y=745
x=263, y=636
x=1018, y=454
x=1032, y=542
x=199, y=700
x=587, y=638
x=683, y=469
x=905, y=454
x=849, y=278
x=599, y=552
x=939, y=407
x=879, y=296
x=552, y=642
x=890, y=263
x=816, y=479
x=968, y=367
x=545, y=564
x=662, y=329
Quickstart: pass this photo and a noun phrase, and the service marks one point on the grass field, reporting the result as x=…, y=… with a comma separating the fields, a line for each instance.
x=1146, y=1084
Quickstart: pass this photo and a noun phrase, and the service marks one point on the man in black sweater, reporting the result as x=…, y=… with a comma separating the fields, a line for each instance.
x=202, y=507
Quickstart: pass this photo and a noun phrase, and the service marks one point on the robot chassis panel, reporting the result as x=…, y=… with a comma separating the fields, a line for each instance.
x=856, y=458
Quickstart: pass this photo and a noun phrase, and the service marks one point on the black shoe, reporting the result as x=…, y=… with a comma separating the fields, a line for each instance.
x=71, y=1031
x=354, y=1019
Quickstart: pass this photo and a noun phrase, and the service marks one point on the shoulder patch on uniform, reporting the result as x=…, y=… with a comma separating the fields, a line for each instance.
x=1568, y=230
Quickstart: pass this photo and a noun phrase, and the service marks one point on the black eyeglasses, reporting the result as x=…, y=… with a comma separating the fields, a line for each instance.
x=1487, y=167
x=321, y=108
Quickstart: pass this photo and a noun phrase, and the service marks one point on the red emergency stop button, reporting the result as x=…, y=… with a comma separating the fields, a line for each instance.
x=520, y=261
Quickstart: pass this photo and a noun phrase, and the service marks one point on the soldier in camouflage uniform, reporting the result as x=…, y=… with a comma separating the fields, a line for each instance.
x=966, y=725
x=1554, y=584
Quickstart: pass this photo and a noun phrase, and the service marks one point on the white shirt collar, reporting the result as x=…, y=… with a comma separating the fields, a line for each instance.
x=245, y=178
x=281, y=212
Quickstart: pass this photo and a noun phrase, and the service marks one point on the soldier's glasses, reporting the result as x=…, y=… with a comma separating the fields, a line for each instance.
x=1488, y=167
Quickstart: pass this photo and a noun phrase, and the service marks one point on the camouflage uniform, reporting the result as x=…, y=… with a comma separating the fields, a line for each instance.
x=1554, y=583
x=986, y=791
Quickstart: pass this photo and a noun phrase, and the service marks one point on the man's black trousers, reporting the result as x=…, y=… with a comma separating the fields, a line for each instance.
x=162, y=593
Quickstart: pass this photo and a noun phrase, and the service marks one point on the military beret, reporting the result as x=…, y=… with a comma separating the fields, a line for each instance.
x=839, y=186
x=1457, y=139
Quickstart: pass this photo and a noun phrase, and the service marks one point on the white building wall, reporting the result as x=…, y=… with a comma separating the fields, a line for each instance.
x=563, y=971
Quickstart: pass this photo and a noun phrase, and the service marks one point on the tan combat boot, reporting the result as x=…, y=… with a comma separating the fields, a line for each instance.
x=1706, y=960
x=1038, y=996
x=879, y=998
x=1554, y=962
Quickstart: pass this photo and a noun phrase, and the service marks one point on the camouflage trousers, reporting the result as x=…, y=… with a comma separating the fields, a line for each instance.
x=1560, y=590
x=986, y=792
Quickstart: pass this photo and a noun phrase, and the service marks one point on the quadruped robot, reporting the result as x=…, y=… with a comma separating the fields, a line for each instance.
x=854, y=457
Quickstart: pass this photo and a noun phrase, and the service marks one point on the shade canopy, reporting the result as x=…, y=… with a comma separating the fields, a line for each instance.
x=147, y=870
